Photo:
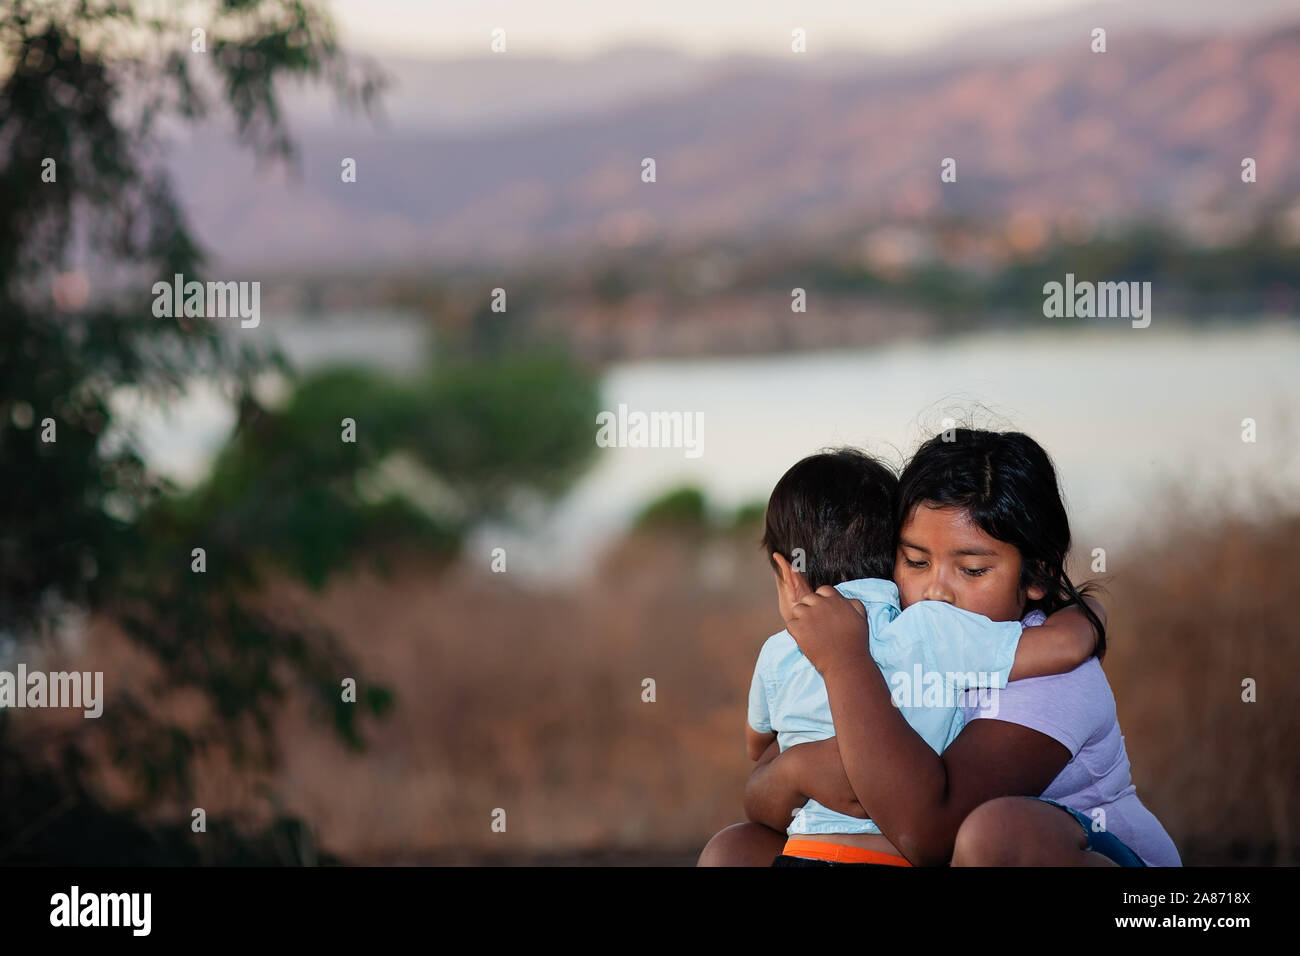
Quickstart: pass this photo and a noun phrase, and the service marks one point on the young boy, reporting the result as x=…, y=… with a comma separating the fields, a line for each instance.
x=830, y=520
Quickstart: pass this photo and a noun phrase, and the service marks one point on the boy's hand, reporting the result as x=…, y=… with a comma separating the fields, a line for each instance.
x=829, y=628
x=1060, y=645
x=1072, y=620
x=1098, y=609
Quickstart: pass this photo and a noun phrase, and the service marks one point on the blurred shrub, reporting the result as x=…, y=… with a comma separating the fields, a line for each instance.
x=749, y=516
x=86, y=526
x=678, y=508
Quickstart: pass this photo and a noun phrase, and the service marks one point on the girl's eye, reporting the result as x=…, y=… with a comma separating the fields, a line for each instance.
x=914, y=564
x=976, y=572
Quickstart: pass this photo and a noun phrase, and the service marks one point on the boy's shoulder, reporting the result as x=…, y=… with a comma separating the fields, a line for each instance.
x=946, y=633
x=871, y=591
x=944, y=610
x=780, y=653
x=778, y=645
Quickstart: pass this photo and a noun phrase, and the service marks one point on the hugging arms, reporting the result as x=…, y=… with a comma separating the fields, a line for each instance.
x=1041, y=777
x=922, y=799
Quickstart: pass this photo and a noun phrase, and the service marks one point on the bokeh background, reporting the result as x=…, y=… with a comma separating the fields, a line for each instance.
x=381, y=560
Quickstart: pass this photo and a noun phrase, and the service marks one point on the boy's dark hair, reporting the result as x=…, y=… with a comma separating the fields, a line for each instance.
x=1006, y=482
x=838, y=507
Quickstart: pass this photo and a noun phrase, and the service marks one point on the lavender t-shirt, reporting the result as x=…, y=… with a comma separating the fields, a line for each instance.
x=1078, y=709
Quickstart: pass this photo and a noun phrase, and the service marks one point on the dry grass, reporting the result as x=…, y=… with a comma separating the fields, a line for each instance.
x=532, y=703
x=1193, y=618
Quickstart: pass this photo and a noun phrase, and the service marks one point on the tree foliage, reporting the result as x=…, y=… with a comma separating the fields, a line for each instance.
x=93, y=86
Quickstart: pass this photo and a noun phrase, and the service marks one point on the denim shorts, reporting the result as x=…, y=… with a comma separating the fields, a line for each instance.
x=1101, y=841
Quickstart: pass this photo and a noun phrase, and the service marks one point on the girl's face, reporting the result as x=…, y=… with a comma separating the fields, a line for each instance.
x=944, y=556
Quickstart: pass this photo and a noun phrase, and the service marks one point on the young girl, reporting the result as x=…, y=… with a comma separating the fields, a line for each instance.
x=1041, y=780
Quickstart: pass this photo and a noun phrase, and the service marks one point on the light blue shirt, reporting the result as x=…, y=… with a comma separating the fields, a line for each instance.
x=927, y=653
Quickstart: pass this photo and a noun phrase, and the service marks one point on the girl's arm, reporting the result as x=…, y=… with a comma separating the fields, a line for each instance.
x=783, y=782
x=918, y=798
x=773, y=805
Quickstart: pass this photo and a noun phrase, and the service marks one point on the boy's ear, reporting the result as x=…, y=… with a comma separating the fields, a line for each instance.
x=783, y=569
x=793, y=581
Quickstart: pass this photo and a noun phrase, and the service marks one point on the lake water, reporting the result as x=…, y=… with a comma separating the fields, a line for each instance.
x=1125, y=413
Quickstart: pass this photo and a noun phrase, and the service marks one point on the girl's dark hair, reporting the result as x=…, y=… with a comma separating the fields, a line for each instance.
x=838, y=508
x=1006, y=482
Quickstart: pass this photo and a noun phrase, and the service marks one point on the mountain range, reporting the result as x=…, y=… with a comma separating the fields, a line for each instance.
x=504, y=160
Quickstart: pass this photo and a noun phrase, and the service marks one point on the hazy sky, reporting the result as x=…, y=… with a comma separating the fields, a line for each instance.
x=579, y=27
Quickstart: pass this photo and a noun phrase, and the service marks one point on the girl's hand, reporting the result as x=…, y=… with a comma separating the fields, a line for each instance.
x=829, y=628
x=781, y=783
x=818, y=767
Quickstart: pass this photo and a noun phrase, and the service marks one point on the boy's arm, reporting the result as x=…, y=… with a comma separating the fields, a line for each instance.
x=758, y=722
x=1060, y=645
x=756, y=743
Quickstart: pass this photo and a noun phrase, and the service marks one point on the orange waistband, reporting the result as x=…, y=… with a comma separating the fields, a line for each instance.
x=838, y=853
